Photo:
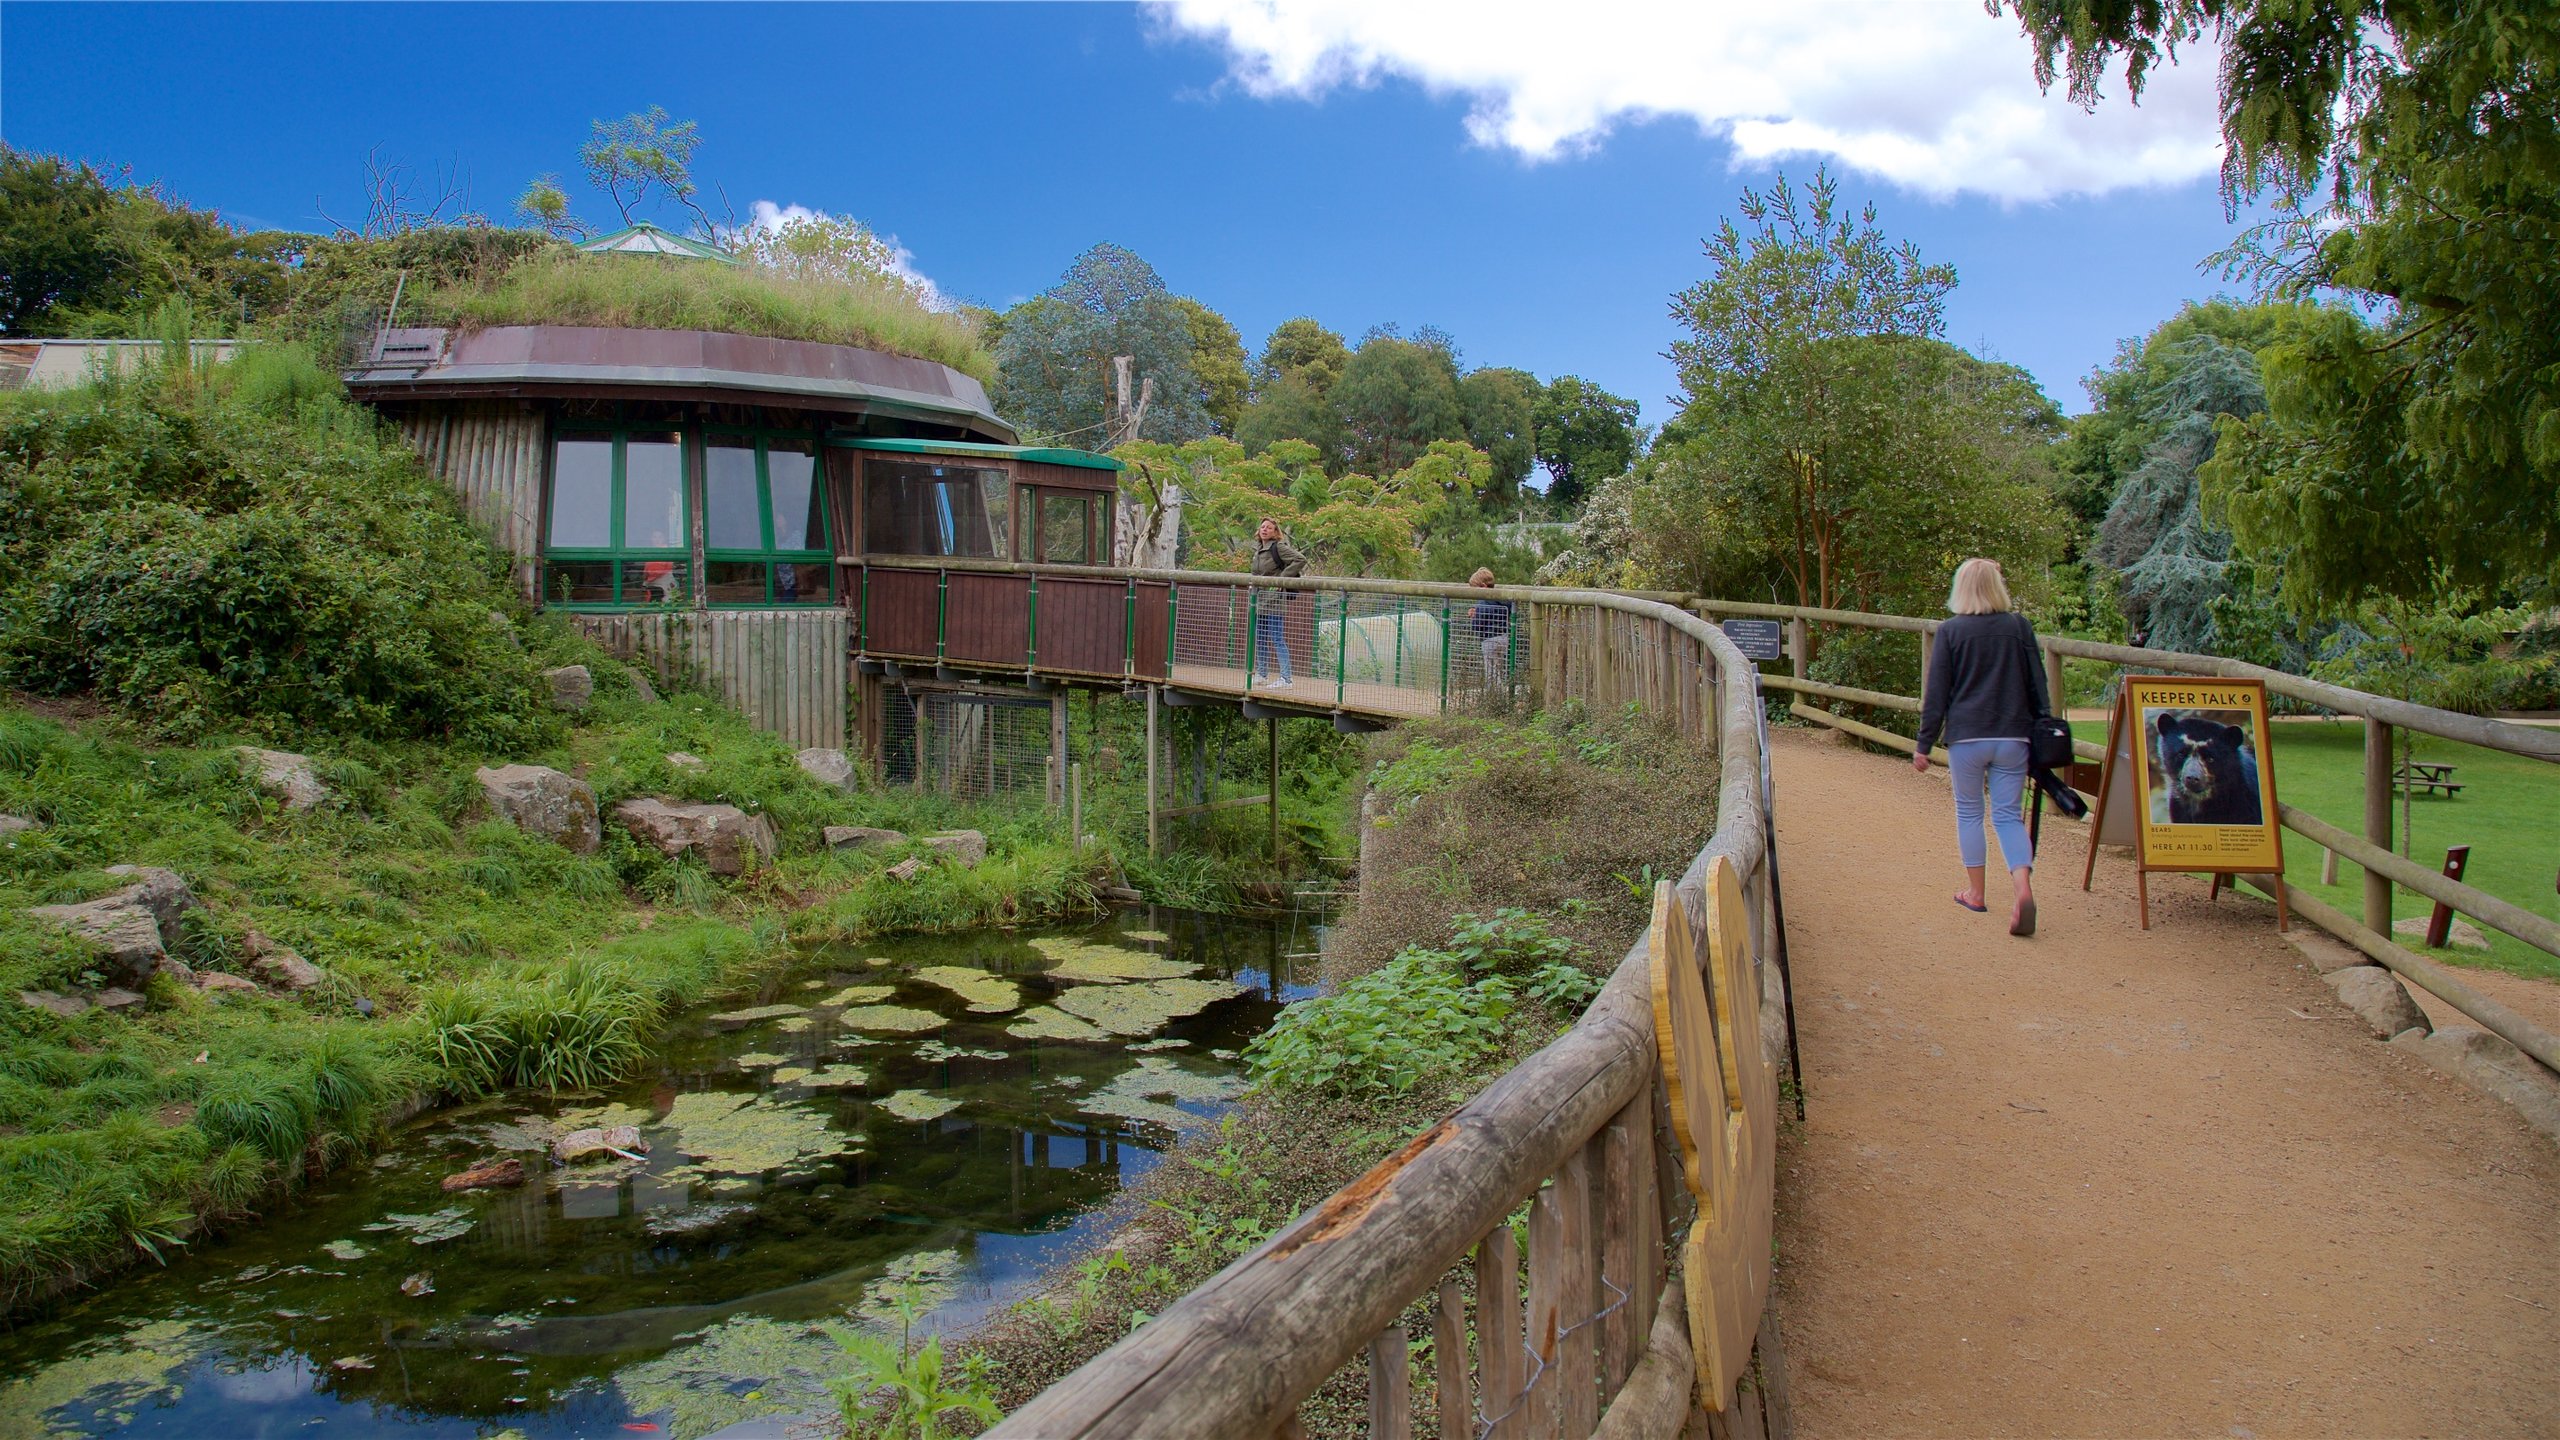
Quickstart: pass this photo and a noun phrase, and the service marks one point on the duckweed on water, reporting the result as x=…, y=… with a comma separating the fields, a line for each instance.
x=1140, y=1094
x=858, y=995
x=432, y=1228
x=891, y=1019
x=838, y=1077
x=1147, y=937
x=345, y=1250
x=741, y=1368
x=987, y=994
x=1048, y=1022
x=934, y=1052
x=726, y=1133
x=1168, y=1043
x=756, y=1015
x=759, y=1060
x=1145, y=1009
x=115, y=1379
x=919, y=1105
x=1087, y=962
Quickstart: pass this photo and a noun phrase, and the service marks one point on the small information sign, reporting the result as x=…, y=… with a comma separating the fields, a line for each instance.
x=1756, y=639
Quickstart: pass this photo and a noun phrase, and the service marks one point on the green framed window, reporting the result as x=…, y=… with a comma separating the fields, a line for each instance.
x=616, y=530
x=764, y=520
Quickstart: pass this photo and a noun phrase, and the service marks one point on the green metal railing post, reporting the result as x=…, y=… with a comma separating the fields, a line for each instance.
x=1031, y=627
x=1399, y=671
x=1342, y=651
x=941, y=610
x=1444, y=657
x=1129, y=631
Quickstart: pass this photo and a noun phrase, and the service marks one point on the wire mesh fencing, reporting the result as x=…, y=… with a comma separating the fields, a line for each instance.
x=1412, y=655
x=968, y=746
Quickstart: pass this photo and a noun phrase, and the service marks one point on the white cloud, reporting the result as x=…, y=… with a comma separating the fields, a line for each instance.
x=1933, y=95
x=766, y=215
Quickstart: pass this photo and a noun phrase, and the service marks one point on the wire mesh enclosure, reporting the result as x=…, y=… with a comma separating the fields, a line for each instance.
x=970, y=746
x=1393, y=653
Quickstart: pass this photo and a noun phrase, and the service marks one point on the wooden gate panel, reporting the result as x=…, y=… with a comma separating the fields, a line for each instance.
x=901, y=612
x=987, y=619
x=1083, y=626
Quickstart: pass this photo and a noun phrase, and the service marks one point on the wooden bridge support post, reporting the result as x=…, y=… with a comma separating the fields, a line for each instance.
x=1799, y=642
x=2377, y=822
x=1152, y=801
x=1057, y=749
x=2053, y=682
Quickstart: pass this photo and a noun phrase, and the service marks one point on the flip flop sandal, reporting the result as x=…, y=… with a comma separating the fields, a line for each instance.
x=2025, y=924
x=1976, y=909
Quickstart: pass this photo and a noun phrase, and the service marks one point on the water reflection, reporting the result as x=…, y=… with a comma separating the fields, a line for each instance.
x=857, y=1128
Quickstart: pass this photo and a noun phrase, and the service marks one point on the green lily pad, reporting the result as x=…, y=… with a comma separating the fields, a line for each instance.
x=934, y=1052
x=1147, y=937
x=891, y=1019
x=345, y=1250
x=1084, y=961
x=760, y=1012
x=858, y=995
x=429, y=1229
x=1142, y=1093
x=1167, y=1043
x=919, y=1105
x=741, y=1368
x=794, y=1024
x=1145, y=1009
x=732, y=1134
x=1048, y=1022
x=987, y=994
x=838, y=1077
x=789, y=1073
x=758, y=1060
x=132, y=1370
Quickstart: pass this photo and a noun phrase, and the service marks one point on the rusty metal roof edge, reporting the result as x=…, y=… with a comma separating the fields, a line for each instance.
x=448, y=377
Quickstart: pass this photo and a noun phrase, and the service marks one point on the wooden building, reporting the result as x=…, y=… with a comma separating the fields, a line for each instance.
x=706, y=502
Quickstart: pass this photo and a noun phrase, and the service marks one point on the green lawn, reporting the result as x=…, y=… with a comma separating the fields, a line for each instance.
x=2508, y=813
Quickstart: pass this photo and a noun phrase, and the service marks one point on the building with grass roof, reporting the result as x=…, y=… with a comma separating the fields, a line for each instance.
x=652, y=435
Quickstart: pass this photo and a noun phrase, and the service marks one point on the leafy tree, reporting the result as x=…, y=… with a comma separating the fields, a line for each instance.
x=81, y=255
x=1294, y=407
x=1842, y=452
x=2098, y=449
x=1351, y=524
x=57, y=242
x=1396, y=397
x=1585, y=435
x=1500, y=409
x=2422, y=446
x=1303, y=348
x=2168, y=555
x=1054, y=364
x=641, y=155
x=1217, y=364
x=545, y=207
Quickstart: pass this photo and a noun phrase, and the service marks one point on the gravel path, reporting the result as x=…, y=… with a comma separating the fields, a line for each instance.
x=2104, y=1182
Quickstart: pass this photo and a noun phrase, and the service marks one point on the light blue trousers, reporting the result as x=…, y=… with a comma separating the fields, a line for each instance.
x=2002, y=766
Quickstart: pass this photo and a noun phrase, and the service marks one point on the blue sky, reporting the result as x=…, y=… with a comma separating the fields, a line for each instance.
x=1529, y=189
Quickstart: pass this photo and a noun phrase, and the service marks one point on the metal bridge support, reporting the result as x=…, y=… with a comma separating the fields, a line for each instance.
x=1152, y=802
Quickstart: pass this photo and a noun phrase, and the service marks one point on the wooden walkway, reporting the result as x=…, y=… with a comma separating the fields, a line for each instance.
x=2108, y=1182
x=1320, y=695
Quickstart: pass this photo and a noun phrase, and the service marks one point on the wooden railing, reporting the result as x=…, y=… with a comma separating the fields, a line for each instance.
x=1586, y=1332
x=2370, y=933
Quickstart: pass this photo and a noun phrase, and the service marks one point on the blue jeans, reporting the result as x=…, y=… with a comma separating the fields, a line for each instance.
x=2003, y=765
x=1269, y=634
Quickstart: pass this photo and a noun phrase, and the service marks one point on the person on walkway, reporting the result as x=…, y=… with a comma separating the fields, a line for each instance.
x=1986, y=682
x=1273, y=555
x=1490, y=623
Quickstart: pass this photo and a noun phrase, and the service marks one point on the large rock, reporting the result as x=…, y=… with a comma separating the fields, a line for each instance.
x=543, y=802
x=862, y=837
x=215, y=982
x=965, y=847
x=645, y=692
x=684, y=760
x=729, y=840
x=134, y=929
x=831, y=768
x=278, y=965
x=572, y=688
x=285, y=775
x=14, y=824
x=2378, y=1000
x=53, y=1003
x=2493, y=1066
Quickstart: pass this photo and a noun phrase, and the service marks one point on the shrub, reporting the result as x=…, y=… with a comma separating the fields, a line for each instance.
x=1417, y=1015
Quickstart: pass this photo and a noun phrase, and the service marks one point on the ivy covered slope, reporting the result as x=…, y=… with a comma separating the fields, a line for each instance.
x=193, y=562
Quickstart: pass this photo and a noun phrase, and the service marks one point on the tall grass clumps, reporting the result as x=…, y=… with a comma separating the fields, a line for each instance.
x=647, y=292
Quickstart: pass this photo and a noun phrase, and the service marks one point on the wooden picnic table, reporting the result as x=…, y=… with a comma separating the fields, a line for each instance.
x=2429, y=775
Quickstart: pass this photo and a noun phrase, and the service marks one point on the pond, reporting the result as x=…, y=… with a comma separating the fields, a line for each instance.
x=937, y=1119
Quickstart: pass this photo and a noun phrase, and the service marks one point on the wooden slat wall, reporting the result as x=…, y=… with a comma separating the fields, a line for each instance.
x=900, y=611
x=1082, y=623
x=785, y=670
x=491, y=452
x=987, y=619
x=1149, y=661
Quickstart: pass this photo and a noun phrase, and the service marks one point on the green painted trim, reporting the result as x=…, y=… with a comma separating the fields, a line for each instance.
x=1039, y=454
x=688, y=249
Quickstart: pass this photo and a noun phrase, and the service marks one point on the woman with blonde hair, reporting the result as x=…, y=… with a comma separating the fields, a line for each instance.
x=1986, y=684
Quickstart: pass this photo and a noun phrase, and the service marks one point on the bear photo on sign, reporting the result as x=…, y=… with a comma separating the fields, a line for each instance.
x=2204, y=767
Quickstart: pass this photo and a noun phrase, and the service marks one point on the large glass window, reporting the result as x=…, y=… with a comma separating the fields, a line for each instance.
x=617, y=533
x=765, y=522
x=1065, y=521
x=922, y=508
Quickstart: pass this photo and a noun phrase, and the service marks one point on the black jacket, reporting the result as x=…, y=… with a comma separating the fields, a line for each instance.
x=1986, y=680
x=1278, y=557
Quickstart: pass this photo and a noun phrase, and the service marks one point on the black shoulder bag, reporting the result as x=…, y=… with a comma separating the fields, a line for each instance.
x=2049, y=750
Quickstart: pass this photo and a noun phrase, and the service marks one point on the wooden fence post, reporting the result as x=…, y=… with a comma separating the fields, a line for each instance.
x=2377, y=822
x=2053, y=681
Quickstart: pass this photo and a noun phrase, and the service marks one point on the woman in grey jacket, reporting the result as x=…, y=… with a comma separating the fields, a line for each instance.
x=1986, y=682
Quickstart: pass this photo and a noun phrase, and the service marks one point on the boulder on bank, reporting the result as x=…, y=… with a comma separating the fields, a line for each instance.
x=730, y=841
x=572, y=688
x=684, y=760
x=132, y=930
x=2378, y=1000
x=862, y=837
x=216, y=982
x=831, y=768
x=542, y=802
x=641, y=688
x=14, y=824
x=965, y=848
x=279, y=966
x=286, y=776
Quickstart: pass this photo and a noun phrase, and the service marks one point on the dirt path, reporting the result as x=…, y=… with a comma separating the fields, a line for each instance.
x=2103, y=1182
